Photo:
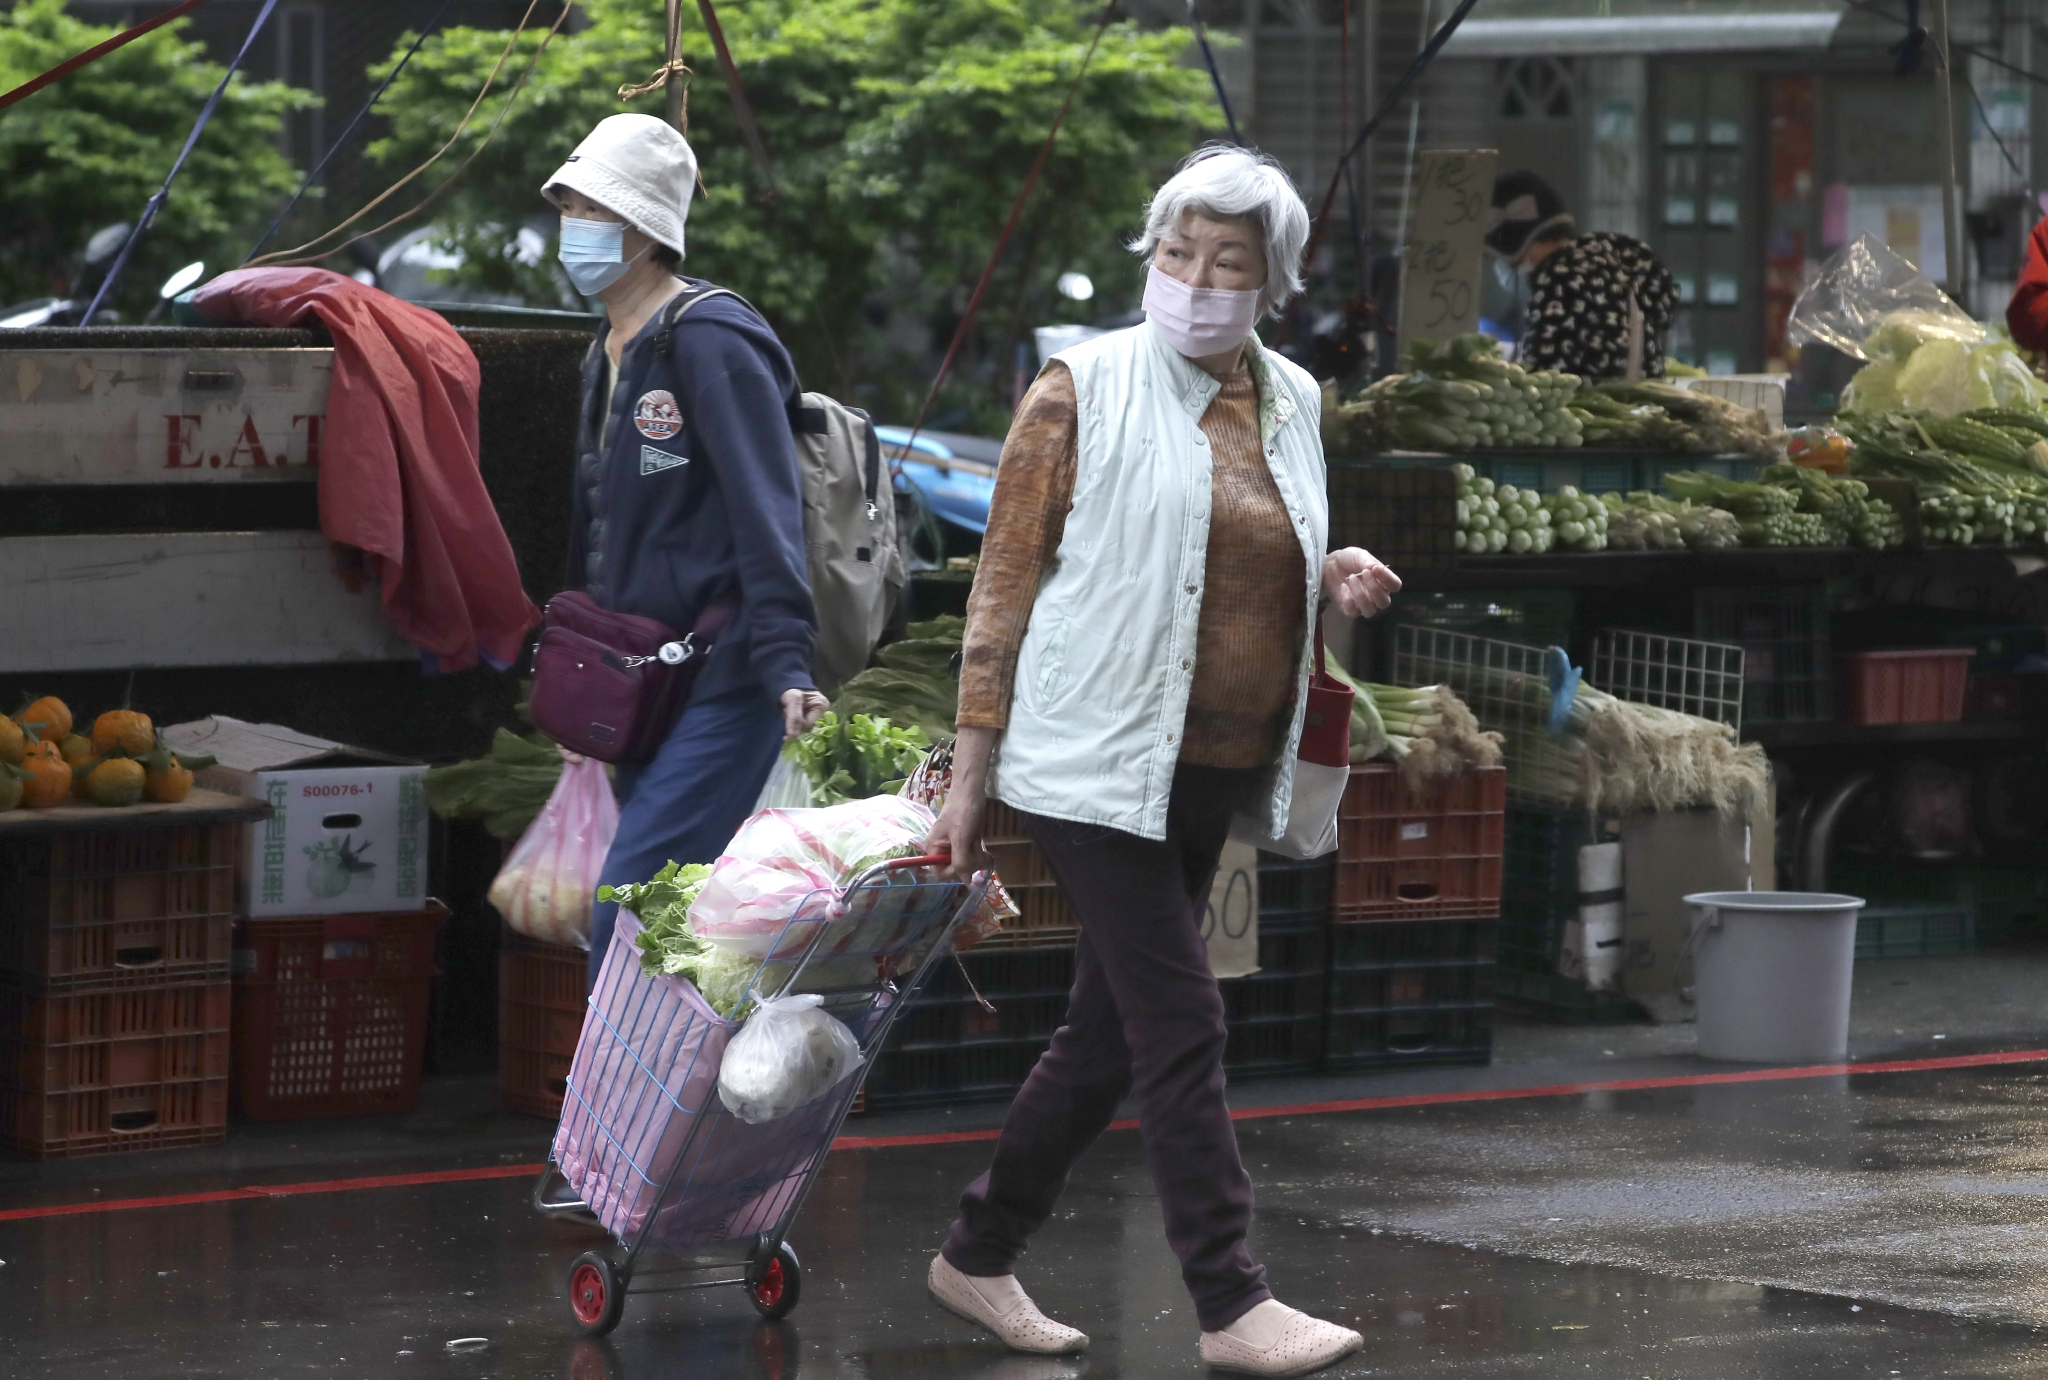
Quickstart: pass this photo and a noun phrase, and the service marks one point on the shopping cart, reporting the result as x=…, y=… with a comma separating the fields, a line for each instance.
x=647, y=1150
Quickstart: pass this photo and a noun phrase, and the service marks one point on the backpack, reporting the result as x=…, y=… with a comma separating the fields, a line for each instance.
x=857, y=565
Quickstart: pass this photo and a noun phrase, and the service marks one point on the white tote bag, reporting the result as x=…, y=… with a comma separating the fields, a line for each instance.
x=1322, y=769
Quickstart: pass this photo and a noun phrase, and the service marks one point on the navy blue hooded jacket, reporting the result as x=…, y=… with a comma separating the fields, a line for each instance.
x=693, y=492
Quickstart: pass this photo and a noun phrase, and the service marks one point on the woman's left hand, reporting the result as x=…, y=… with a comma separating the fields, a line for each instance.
x=1357, y=583
x=801, y=710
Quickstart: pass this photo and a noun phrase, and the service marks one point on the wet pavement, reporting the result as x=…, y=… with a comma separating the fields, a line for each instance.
x=1882, y=1224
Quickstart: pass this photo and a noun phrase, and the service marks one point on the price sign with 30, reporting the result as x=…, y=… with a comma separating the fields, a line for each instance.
x=1441, y=263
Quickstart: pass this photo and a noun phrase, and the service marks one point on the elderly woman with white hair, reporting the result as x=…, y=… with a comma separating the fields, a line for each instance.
x=1134, y=679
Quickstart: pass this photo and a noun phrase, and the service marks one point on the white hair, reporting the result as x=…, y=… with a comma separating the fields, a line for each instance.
x=1224, y=182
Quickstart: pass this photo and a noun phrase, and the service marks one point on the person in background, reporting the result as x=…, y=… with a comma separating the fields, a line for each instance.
x=1134, y=673
x=686, y=492
x=1599, y=304
x=2026, y=316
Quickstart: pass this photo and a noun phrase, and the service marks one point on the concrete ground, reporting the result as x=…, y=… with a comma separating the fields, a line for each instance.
x=1869, y=1225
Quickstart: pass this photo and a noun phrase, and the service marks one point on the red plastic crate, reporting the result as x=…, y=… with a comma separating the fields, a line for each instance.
x=1907, y=687
x=331, y=1013
x=150, y=1116
x=1429, y=851
x=56, y=1042
x=541, y=1005
x=119, y=907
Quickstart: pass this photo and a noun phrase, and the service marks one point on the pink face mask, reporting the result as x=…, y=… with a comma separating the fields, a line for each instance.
x=1199, y=321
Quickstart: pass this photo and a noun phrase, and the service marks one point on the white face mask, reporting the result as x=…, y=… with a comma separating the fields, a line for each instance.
x=593, y=253
x=1199, y=321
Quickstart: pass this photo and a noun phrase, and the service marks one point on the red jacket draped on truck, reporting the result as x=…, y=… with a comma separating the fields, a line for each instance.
x=2027, y=314
x=398, y=460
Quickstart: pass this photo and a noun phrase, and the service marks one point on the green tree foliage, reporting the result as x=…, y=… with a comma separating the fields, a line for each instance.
x=92, y=149
x=900, y=131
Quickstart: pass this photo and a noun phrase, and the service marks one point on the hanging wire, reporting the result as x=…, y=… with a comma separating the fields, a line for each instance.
x=294, y=257
x=347, y=134
x=97, y=51
x=1216, y=76
x=156, y=203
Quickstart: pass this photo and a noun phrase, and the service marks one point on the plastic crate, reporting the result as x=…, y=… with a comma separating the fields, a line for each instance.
x=76, y=1041
x=149, y=1116
x=1406, y=516
x=1540, y=885
x=118, y=907
x=2003, y=901
x=1906, y=687
x=1413, y=993
x=1027, y=987
x=1428, y=851
x=905, y=1079
x=1291, y=891
x=1914, y=931
x=1293, y=971
x=331, y=1013
x=541, y=1005
x=1787, y=671
x=1531, y=617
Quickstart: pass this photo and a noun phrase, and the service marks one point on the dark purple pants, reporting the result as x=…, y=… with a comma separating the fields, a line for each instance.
x=1145, y=1017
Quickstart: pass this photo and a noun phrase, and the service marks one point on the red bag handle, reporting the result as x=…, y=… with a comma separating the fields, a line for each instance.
x=1326, y=723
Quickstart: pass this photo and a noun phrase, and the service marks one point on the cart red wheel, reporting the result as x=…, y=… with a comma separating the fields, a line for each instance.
x=776, y=1288
x=597, y=1293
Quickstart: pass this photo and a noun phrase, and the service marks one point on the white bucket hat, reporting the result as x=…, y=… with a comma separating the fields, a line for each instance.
x=639, y=167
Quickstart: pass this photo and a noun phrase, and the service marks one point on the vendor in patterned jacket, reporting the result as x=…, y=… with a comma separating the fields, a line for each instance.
x=1599, y=303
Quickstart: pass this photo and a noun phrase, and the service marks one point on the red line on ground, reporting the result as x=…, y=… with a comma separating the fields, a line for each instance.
x=1362, y=1104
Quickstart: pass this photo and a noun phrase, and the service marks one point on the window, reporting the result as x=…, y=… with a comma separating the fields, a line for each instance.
x=1536, y=89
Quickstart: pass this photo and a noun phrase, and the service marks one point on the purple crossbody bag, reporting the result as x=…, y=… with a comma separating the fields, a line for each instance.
x=609, y=685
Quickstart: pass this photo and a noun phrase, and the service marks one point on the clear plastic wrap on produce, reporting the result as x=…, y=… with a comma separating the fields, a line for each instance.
x=1866, y=286
x=546, y=886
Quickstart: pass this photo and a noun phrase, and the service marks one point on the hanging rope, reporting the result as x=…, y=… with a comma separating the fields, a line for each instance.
x=163, y=193
x=98, y=51
x=347, y=134
x=1009, y=227
x=296, y=258
x=741, y=110
x=1216, y=77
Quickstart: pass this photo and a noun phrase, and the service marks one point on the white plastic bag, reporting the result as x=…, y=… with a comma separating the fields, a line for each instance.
x=788, y=788
x=789, y=1053
x=545, y=888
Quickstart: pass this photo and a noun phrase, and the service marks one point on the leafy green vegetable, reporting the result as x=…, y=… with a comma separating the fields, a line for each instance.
x=505, y=789
x=669, y=947
x=857, y=757
x=913, y=681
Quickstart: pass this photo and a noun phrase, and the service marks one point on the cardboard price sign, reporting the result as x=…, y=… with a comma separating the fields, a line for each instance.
x=1440, y=268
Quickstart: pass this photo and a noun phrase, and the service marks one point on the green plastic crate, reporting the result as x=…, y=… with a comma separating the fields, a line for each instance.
x=1915, y=931
x=2003, y=901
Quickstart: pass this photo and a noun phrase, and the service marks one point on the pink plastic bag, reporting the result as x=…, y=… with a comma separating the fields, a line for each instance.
x=779, y=857
x=545, y=888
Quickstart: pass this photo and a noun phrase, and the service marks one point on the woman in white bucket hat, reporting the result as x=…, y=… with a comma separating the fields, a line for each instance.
x=686, y=497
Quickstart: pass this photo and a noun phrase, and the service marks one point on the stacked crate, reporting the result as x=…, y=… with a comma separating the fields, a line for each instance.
x=1275, y=1016
x=1418, y=896
x=541, y=1003
x=114, y=989
x=980, y=1023
x=331, y=1013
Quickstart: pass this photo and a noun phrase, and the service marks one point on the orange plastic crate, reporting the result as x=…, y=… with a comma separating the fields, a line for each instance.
x=119, y=907
x=331, y=1013
x=1430, y=851
x=149, y=1116
x=1907, y=687
x=541, y=1005
x=56, y=1042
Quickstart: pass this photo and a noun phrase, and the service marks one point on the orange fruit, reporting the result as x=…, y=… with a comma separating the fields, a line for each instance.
x=116, y=781
x=169, y=785
x=80, y=773
x=13, y=742
x=50, y=713
x=124, y=730
x=49, y=780
x=12, y=784
x=76, y=749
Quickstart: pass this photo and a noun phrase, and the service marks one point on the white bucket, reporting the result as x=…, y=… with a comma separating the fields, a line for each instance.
x=1771, y=975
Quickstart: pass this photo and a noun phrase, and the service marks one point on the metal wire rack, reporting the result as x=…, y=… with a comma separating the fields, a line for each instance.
x=1703, y=679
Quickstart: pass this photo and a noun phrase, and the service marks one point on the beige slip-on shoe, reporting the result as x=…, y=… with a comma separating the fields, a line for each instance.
x=1000, y=1304
x=1276, y=1340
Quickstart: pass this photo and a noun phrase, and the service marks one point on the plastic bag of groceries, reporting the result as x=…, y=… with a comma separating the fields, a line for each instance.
x=789, y=1053
x=780, y=859
x=545, y=888
x=1871, y=304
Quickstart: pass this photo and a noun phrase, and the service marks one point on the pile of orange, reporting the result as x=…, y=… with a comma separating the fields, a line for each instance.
x=44, y=762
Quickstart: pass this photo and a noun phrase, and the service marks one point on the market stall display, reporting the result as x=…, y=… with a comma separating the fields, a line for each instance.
x=119, y=761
